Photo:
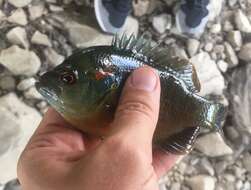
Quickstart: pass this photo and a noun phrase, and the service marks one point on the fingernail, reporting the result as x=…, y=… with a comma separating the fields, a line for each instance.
x=144, y=79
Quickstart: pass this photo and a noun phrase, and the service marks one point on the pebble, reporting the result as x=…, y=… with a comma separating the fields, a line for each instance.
x=241, y=98
x=83, y=35
x=162, y=22
x=175, y=186
x=2, y=15
x=40, y=39
x=201, y=182
x=222, y=65
x=36, y=11
x=53, y=58
x=213, y=145
x=18, y=36
x=32, y=93
x=18, y=17
x=26, y=119
x=140, y=7
x=247, y=162
x=212, y=81
x=235, y=39
x=244, y=53
x=215, y=29
x=8, y=134
x=209, y=47
x=193, y=46
x=242, y=21
x=228, y=26
x=20, y=61
x=162, y=187
x=231, y=58
x=215, y=9
x=7, y=83
x=55, y=8
x=26, y=84
x=19, y=3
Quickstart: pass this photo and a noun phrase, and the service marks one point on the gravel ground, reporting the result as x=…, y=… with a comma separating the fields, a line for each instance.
x=37, y=35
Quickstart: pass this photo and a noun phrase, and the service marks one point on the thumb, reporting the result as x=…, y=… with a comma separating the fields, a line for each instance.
x=137, y=114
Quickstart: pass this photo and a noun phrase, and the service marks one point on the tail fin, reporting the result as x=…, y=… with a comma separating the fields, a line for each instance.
x=215, y=116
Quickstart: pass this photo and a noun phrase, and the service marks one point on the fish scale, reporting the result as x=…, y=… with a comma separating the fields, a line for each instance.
x=86, y=89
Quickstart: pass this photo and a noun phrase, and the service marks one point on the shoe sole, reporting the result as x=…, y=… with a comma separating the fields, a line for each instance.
x=193, y=32
x=102, y=16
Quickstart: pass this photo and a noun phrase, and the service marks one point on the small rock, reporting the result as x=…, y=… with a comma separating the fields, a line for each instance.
x=2, y=15
x=140, y=7
x=235, y=38
x=40, y=39
x=232, y=133
x=215, y=9
x=213, y=145
x=207, y=166
x=232, y=58
x=83, y=35
x=7, y=83
x=201, y=182
x=162, y=22
x=193, y=46
x=26, y=84
x=162, y=187
x=32, y=93
x=242, y=21
x=26, y=119
x=53, y=58
x=18, y=17
x=247, y=162
x=36, y=11
x=67, y=2
x=20, y=61
x=175, y=186
x=19, y=3
x=209, y=47
x=223, y=66
x=55, y=8
x=8, y=134
x=232, y=3
x=246, y=185
x=212, y=81
x=227, y=26
x=215, y=29
x=18, y=36
x=245, y=54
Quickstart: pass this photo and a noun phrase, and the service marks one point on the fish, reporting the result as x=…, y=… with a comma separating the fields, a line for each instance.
x=85, y=89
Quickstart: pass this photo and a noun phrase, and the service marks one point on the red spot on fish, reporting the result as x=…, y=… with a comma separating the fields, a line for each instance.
x=99, y=75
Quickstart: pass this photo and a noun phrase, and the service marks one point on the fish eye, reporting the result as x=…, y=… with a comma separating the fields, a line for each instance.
x=68, y=77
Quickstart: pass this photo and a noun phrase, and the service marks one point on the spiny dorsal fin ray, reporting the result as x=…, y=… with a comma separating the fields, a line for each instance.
x=161, y=59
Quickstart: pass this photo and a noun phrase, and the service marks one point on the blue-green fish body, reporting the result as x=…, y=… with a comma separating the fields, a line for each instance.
x=86, y=88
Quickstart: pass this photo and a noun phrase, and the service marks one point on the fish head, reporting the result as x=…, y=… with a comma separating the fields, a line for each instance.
x=79, y=86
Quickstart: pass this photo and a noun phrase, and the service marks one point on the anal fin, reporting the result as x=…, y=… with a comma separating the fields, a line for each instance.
x=181, y=143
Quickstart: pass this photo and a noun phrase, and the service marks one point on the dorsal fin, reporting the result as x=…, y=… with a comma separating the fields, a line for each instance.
x=161, y=59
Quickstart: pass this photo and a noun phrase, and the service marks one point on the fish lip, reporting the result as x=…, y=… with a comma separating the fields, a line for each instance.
x=46, y=92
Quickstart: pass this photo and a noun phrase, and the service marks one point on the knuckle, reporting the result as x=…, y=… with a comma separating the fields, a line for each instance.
x=132, y=108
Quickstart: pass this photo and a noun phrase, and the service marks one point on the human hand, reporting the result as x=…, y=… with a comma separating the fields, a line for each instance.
x=58, y=157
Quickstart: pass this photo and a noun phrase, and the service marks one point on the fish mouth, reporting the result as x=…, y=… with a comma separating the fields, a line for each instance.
x=50, y=95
